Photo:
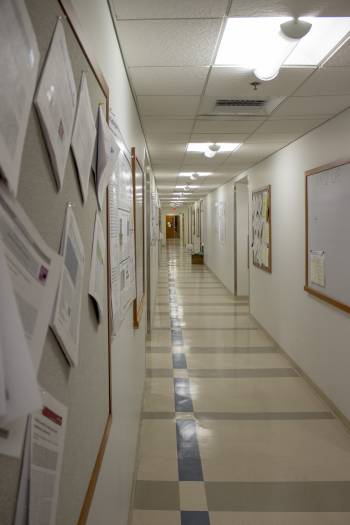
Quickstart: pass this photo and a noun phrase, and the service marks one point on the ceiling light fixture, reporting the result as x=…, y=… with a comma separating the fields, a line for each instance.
x=212, y=150
x=190, y=174
x=264, y=44
x=202, y=147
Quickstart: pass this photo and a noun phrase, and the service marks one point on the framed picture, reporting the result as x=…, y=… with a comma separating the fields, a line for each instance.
x=261, y=229
x=138, y=181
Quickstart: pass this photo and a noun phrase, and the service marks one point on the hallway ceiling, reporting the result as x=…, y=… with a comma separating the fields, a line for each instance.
x=169, y=48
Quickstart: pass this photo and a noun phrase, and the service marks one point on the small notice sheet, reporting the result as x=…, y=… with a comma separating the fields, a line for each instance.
x=107, y=157
x=84, y=137
x=19, y=64
x=66, y=317
x=98, y=263
x=29, y=275
x=56, y=101
x=41, y=465
x=19, y=391
x=317, y=267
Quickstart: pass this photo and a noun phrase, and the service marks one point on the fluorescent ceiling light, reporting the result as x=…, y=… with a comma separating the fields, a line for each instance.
x=253, y=42
x=202, y=147
x=190, y=173
x=192, y=187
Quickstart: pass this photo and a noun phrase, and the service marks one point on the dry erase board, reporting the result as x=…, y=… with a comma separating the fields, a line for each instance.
x=327, y=200
x=85, y=390
x=261, y=229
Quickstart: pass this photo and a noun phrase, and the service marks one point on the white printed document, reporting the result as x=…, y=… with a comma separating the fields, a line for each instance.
x=317, y=267
x=107, y=157
x=19, y=64
x=47, y=434
x=35, y=270
x=114, y=256
x=56, y=100
x=66, y=317
x=22, y=394
x=97, y=284
x=84, y=137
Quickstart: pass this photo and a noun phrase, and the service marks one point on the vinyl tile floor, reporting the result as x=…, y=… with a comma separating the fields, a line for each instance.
x=230, y=432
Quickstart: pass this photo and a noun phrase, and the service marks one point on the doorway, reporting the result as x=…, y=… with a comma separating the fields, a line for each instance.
x=172, y=226
x=241, y=239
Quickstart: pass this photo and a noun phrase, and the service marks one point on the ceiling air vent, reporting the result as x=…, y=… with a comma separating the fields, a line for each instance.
x=244, y=106
x=239, y=103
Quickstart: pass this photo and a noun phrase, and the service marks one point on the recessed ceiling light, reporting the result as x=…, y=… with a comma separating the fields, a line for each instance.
x=191, y=173
x=256, y=42
x=202, y=147
x=187, y=187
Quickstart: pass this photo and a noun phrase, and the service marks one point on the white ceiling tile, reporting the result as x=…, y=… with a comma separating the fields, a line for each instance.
x=341, y=57
x=281, y=125
x=200, y=160
x=134, y=9
x=290, y=8
x=327, y=81
x=167, y=125
x=164, y=106
x=168, y=80
x=219, y=137
x=267, y=138
x=166, y=178
x=252, y=153
x=166, y=167
x=168, y=42
x=171, y=148
x=313, y=106
x=227, y=126
x=231, y=82
x=167, y=138
x=207, y=107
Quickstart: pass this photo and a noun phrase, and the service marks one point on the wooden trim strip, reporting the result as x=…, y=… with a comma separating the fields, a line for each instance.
x=95, y=473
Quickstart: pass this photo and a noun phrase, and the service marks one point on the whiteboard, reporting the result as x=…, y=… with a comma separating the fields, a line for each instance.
x=327, y=233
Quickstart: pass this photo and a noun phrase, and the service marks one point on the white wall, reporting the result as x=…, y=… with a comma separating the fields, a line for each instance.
x=241, y=226
x=112, y=496
x=220, y=257
x=313, y=333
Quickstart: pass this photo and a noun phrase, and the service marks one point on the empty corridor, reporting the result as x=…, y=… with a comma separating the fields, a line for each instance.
x=230, y=434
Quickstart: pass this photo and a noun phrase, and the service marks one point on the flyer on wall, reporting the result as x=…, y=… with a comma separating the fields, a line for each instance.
x=56, y=100
x=67, y=311
x=19, y=64
x=98, y=263
x=107, y=157
x=33, y=270
x=42, y=464
x=84, y=137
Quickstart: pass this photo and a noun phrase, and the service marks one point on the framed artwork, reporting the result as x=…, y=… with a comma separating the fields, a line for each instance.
x=261, y=229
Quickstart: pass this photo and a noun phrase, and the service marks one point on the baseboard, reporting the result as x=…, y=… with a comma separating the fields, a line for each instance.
x=137, y=460
x=338, y=414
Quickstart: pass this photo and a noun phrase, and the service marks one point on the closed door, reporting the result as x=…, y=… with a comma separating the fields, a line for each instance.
x=172, y=227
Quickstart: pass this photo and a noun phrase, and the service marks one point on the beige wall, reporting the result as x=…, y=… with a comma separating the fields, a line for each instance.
x=314, y=334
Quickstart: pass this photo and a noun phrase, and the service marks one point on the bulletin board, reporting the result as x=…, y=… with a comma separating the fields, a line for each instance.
x=85, y=390
x=139, y=229
x=261, y=229
x=327, y=215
